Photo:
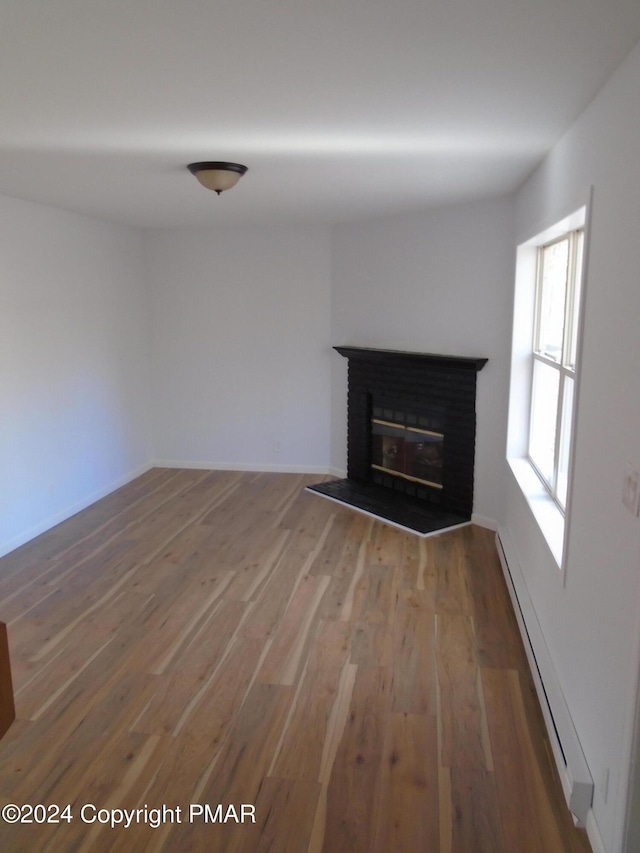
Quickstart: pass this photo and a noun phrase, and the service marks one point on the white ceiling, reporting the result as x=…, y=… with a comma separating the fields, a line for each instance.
x=342, y=109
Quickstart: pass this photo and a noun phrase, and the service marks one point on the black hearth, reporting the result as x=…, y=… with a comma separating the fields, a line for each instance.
x=411, y=427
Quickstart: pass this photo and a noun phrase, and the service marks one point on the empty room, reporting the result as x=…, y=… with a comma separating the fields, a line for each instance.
x=319, y=418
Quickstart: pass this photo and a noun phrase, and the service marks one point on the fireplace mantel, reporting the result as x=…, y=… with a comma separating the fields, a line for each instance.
x=385, y=355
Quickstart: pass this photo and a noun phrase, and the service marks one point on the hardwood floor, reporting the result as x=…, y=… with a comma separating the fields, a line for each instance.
x=219, y=637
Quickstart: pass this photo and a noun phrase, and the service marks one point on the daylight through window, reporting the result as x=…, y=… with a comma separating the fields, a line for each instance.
x=555, y=341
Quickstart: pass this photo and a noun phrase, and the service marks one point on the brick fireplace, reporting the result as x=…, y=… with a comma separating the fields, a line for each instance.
x=411, y=426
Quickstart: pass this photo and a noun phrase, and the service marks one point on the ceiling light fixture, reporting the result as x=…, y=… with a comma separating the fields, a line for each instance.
x=217, y=176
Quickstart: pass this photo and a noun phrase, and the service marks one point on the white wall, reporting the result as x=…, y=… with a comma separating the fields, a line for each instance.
x=437, y=282
x=73, y=365
x=592, y=625
x=240, y=346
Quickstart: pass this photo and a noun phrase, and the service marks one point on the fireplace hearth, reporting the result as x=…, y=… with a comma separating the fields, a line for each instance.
x=411, y=426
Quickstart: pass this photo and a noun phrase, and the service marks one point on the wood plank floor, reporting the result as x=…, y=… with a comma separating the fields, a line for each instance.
x=220, y=637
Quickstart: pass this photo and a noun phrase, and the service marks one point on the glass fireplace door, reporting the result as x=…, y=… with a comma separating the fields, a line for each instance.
x=405, y=450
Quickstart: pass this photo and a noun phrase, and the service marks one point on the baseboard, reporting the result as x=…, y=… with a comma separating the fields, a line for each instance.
x=593, y=834
x=483, y=521
x=63, y=515
x=575, y=776
x=242, y=466
x=337, y=472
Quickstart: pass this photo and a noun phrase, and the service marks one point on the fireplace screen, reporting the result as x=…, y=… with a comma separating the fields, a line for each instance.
x=407, y=446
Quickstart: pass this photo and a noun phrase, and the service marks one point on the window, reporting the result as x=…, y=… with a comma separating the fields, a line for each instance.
x=544, y=370
x=559, y=273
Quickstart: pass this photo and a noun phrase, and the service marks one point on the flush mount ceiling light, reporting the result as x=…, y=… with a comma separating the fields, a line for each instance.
x=217, y=176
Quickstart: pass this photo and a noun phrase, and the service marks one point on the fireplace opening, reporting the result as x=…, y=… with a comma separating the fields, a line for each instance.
x=407, y=445
x=411, y=427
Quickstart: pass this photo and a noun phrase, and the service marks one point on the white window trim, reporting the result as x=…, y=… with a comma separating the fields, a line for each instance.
x=564, y=369
x=547, y=513
x=551, y=520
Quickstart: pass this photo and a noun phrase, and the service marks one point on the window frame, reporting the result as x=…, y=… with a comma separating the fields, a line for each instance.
x=553, y=524
x=575, y=238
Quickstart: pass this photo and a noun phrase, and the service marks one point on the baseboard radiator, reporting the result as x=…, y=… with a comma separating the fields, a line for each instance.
x=574, y=773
